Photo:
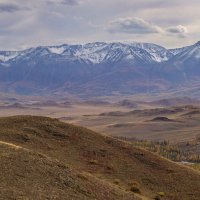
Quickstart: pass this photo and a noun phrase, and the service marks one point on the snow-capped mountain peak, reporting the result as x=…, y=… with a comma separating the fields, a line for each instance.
x=99, y=68
x=198, y=44
x=102, y=52
x=187, y=54
x=6, y=56
x=96, y=53
x=57, y=50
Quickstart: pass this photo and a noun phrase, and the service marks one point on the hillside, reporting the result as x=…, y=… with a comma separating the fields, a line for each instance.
x=42, y=158
x=175, y=124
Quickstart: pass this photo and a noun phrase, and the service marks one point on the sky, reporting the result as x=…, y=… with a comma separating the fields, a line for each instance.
x=28, y=23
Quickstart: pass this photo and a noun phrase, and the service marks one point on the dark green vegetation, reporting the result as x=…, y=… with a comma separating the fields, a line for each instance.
x=43, y=158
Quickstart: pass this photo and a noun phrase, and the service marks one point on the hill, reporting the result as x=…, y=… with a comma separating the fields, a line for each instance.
x=179, y=101
x=43, y=158
x=175, y=124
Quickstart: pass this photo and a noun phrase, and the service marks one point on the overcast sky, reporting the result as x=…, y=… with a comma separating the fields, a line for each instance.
x=26, y=23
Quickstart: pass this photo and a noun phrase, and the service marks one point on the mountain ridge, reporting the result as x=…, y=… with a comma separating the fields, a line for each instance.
x=61, y=49
x=124, y=68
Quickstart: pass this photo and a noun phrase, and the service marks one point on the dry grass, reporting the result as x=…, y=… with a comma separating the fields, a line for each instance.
x=183, y=123
x=176, y=124
x=57, y=152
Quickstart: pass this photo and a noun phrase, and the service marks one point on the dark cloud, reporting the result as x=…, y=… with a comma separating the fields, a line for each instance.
x=4, y=7
x=65, y=2
x=133, y=26
x=70, y=2
x=11, y=8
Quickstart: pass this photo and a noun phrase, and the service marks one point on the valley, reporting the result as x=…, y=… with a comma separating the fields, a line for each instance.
x=99, y=100
x=175, y=119
x=135, y=111
x=145, y=123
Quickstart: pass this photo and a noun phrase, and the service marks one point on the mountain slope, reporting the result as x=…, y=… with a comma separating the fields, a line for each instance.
x=93, y=53
x=76, y=161
x=109, y=68
x=30, y=175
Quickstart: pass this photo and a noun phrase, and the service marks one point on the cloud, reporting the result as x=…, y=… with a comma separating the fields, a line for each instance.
x=133, y=25
x=82, y=21
x=10, y=8
x=177, y=30
x=70, y=2
x=65, y=2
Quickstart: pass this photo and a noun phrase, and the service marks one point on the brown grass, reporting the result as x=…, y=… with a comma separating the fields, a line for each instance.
x=54, y=153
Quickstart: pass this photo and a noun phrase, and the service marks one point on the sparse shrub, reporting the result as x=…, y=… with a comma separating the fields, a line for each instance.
x=169, y=170
x=161, y=194
x=116, y=181
x=82, y=176
x=110, y=167
x=93, y=162
x=134, y=183
x=135, y=189
x=157, y=197
x=125, y=146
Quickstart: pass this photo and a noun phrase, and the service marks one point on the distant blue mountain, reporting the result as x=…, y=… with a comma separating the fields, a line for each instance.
x=99, y=69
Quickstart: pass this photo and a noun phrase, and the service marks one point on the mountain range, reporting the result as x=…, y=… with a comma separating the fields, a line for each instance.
x=100, y=69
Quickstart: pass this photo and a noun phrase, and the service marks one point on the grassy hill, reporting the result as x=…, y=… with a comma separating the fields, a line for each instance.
x=43, y=158
x=176, y=124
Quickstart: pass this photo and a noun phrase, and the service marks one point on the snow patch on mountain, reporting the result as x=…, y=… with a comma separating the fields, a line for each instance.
x=191, y=52
x=102, y=53
x=157, y=53
x=178, y=50
x=95, y=53
x=57, y=50
x=6, y=56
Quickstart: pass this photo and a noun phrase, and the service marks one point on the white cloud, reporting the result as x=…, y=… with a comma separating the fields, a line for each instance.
x=133, y=25
x=81, y=21
x=177, y=29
